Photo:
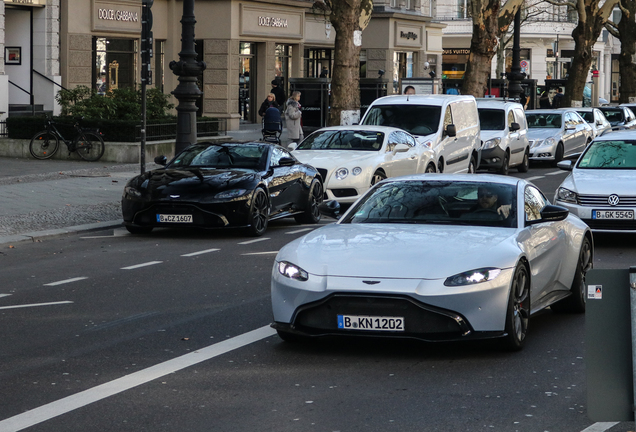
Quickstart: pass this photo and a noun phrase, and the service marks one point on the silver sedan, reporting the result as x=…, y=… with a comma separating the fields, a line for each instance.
x=556, y=133
x=434, y=257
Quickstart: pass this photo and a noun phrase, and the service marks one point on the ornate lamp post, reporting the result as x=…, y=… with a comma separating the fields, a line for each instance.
x=515, y=76
x=187, y=92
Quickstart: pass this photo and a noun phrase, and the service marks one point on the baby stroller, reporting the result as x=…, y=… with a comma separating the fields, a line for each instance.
x=272, y=125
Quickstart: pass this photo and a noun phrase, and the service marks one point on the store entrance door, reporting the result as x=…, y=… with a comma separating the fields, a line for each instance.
x=248, y=105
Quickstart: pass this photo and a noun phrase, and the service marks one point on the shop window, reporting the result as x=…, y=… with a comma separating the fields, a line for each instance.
x=363, y=63
x=160, y=58
x=318, y=62
x=402, y=68
x=524, y=54
x=114, y=63
x=283, y=60
x=463, y=8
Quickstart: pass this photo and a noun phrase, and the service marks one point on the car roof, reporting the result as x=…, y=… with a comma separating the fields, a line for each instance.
x=482, y=178
x=435, y=100
x=585, y=109
x=549, y=111
x=385, y=129
x=498, y=104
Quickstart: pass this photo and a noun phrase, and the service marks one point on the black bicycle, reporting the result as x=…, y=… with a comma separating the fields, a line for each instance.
x=88, y=143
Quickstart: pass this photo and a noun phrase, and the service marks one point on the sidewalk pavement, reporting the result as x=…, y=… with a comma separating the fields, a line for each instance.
x=44, y=198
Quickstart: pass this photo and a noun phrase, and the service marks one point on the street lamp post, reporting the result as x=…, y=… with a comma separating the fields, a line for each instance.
x=515, y=76
x=187, y=92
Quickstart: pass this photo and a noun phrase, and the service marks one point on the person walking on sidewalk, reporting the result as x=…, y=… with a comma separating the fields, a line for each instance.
x=278, y=92
x=269, y=102
x=293, y=117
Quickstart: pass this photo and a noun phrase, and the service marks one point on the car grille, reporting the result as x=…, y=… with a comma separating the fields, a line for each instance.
x=420, y=320
x=601, y=200
x=617, y=225
x=343, y=193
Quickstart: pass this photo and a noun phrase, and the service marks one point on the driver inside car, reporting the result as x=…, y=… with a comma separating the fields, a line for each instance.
x=488, y=199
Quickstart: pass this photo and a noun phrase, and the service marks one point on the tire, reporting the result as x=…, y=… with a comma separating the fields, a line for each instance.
x=518, y=313
x=44, y=145
x=575, y=303
x=90, y=146
x=558, y=155
x=430, y=169
x=311, y=215
x=472, y=165
x=378, y=176
x=525, y=165
x=505, y=165
x=133, y=229
x=259, y=214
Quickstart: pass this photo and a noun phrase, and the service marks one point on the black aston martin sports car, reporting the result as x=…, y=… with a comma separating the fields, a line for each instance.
x=217, y=185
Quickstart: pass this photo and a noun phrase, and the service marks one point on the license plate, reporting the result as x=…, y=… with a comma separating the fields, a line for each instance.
x=354, y=322
x=612, y=214
x=174, y=218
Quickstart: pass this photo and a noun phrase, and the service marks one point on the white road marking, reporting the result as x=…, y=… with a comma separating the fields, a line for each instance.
x=261, y=253
x=299, y=231
x=254, y=241
x=534, y=178
x=141, y=265
x=66, y=281
x=86, y=397
x=32, y=305
x=200, y=252
x=600, y=427
x=556, y=172
x=5, y=295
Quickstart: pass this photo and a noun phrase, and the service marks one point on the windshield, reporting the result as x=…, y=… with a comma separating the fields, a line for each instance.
x=343, y=140
x=588, y=116
x=544, y=121
x=614, y=116
x=416, y=119
x=609, y=155
x=438, y=202
x=492, y=119
x=250, y=156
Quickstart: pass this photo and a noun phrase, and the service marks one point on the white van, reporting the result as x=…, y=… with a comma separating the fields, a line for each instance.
x=447, y=124
x=504, y=132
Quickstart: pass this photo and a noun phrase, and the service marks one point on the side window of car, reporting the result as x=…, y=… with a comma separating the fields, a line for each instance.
x=520, y=118
x=511, y=118
x=277, y=154
x=534, y=201
x=448, y=117
x=410, y=140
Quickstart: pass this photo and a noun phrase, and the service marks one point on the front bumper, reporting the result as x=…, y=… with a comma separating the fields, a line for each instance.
x=492, y=158
x=601, y=225
x=431, y=311
x=543, y=153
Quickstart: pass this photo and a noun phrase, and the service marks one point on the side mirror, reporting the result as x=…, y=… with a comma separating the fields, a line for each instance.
x=451, y=131
x=330, y=209
x=400, y=148
x=570, y=128
x=566, y=165
x=292, y=146
x=161, y=160
x=285, y=161
x=514, y=127
x=553, y=213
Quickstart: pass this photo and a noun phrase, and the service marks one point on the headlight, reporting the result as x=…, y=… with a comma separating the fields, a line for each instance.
x=292, y=271
x=473, y=277
x=429, y=144
x=550, y=141
x=356, y=171
x=492, y=143
x=129, y=190
x=536, y=143
x=341, y=173
x=567, y=195
x=230, y=194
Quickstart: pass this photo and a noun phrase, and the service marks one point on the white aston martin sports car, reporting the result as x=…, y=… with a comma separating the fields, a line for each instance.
x=353, y=158
x=434, y=257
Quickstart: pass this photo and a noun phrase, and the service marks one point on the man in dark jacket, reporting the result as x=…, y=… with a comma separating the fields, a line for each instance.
x=278, y=93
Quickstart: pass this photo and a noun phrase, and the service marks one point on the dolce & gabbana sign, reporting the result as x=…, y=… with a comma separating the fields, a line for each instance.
x=117, y=17
x=274, y=22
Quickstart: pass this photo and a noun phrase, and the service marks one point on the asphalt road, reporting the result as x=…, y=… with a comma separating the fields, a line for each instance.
x=112, y=332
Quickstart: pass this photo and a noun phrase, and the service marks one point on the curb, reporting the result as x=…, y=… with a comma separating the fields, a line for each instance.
x=59, y=232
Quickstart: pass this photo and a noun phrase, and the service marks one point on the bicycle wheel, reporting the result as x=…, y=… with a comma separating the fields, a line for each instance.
x=43, y=145
x=89, y=146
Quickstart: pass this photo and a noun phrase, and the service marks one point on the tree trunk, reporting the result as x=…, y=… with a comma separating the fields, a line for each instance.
x=347, y=17
x=628, y=49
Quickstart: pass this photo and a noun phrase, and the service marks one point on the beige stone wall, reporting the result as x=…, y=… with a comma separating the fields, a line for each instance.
x=220, y=80
x=79, y=63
